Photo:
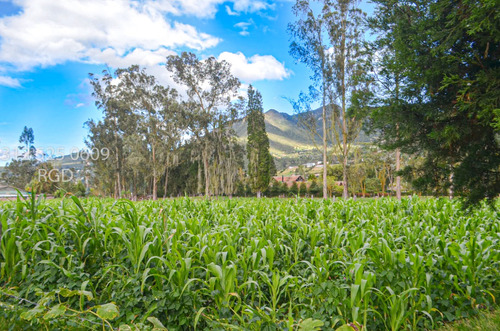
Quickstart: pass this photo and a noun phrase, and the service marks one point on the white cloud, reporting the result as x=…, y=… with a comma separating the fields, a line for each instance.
x=82, y=97
x=244, y=27
x=252, y=5
x=208, y=8
x=230, y=12
x=138, y=56
x=119, y=33
x=257, y=67
x=49, y=32
x=9, y=81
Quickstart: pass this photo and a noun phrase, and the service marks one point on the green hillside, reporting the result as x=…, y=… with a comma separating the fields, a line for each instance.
x=285, y=136
x=70, y=161
x=290, y=142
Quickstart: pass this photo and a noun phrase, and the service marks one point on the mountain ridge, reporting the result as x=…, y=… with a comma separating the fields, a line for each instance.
x=287, y=138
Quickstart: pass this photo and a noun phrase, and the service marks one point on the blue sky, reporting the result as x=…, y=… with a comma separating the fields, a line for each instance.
x=47, y=49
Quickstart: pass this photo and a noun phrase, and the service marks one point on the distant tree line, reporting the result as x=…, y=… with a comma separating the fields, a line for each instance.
x=160, y=142
x=165, y=144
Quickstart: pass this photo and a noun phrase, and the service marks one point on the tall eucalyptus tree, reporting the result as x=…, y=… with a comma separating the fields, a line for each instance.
x=328, y=39
x=211, y=89
x=157, y=110
x=118, y=121
x=310, y=45
x=350, y=81
x=142, y=127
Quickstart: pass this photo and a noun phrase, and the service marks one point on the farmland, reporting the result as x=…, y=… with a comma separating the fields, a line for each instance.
x=296, y=264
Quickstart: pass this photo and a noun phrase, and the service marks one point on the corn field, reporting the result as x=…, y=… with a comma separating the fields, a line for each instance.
x=245, y=264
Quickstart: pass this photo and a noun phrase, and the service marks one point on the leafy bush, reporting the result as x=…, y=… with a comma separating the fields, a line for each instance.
x=294, y=189
x=314, y=189
x=302, y=189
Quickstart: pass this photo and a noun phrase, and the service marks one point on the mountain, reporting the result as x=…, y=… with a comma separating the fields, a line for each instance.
x=285, y=135
x=288, y=138
x=70, y=161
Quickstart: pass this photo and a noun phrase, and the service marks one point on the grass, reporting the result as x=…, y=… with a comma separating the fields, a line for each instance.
x=486, y=321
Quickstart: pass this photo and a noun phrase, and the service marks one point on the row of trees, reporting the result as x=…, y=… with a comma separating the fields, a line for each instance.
x=148, y=135
x=154, y=134
x=427, y=85
x=371, y=170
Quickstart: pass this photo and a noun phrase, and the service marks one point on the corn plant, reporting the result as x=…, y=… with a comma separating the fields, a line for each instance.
x=295, y=264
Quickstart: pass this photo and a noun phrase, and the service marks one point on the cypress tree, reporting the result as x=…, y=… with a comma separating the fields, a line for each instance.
x=445, y=98
x=260, y=162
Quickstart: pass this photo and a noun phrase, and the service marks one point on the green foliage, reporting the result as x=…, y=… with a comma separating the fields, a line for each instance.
x=485, y=321
x=284, y=189
x=275, y=188
x=335, y=171
x=19, y=173
x=302, y=188
x=333, y=189
x=260, y=161
x=372, y=185
x=27, y=138
x=210, y=86
x=314, y=189
x=297, y=264
x=45, y=179
x=439, y=60
x=55, y=309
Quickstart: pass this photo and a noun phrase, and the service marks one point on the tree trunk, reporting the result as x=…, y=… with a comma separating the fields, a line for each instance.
x=450, y=190
x=135, y=189
x=345, y=194
x=398, y=151
x=155, y=181
x=166, y=183
x=154, y=188
x=398, y=178
x=118, y=177
x=118, y=185
x=259, y=194
x=206, y=171
x=325, y=188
